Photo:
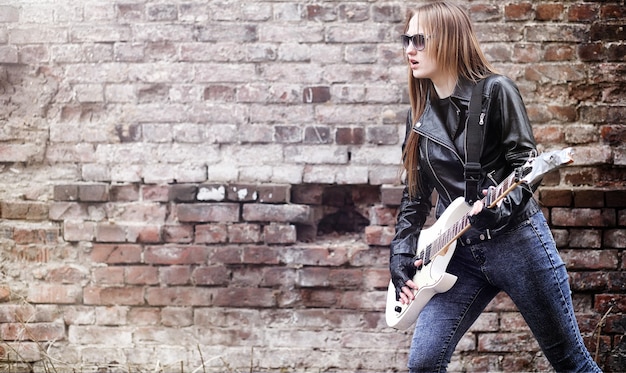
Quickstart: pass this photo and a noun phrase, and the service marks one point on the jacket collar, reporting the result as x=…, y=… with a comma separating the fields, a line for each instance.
x=463, y=89
x=431, y=126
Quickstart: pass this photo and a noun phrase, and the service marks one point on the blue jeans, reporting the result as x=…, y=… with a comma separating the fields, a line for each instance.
x=525, y=264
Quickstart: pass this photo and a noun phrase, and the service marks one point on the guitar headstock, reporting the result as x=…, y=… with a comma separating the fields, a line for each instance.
x=536, y=167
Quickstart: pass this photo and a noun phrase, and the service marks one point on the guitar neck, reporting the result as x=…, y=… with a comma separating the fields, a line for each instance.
x=454, y=232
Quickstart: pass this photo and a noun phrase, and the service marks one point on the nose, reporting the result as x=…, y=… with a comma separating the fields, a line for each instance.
x=410, y=49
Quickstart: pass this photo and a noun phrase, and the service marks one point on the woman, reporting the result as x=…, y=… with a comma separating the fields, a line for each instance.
x=508, y=248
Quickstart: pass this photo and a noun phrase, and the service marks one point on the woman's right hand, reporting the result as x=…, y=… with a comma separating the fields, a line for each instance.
x=403, y=268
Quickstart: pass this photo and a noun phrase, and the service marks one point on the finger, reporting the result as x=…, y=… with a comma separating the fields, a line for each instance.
x=418, y=263
x=408, y=293
x=476, y=208
x=412, y=285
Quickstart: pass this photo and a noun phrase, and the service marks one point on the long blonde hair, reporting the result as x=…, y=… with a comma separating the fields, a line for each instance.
x=456, y=50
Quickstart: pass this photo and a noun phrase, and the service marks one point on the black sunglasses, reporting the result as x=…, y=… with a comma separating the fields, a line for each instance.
x=418, y=40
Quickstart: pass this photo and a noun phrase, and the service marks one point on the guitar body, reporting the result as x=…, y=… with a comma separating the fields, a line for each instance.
x=432, y=278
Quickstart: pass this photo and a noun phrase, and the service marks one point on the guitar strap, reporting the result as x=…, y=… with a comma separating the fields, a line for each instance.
x=474, y=143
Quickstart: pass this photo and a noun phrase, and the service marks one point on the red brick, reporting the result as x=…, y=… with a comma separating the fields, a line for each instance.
x=109, y=276
x=280, y=234
x=589, y=52
x=155, y=193
x=585, y=238
x=364, y=255
x=617, y=280
x=589, y=281
x=362, y=300
x=144, y=233
x=116, y=254
x=615, y=238
x=242, y=193
x=379, y=236
x=320, y=298
x=178, y=233
x=583, y=217
x=177, y=316
x=219, y=92
x=350, y=136
x=380, y=215
x=287, y=134
x=79, y=230
x=320, y=13
x=141, y=275
x=180, y=296
x=65, y=192
x=277, y=213
x=278, y=276
x=583, y=12
x=246, y=277
x=110, y=232
x=37, y=332
x=35, y=235
x=615, y=198
x=124, y=193
x=589, y=198
x=391, y=195
x=518, y=11
x=211, y=233
x=144, y=316
x=317, y=135
x=175, y=255
x=555, y=197
x=93, y=192
x=273, y=193
x=24, y=210
x=175, y=275
x=313, y=277
x=507, y=342
x=17, y=313
x=591, y=259
x=208, y=212
x=114, y=296
x=5, y=294
x=213, y=275
x=244, y=233
x=53, y=293
x=245, y=297
x=376, y=278
x=549, y=12
x=66, y=274
x=225, y=255
x=182, y=193
x=307, y=194
x=316, y=255
x=560, y=53
x=345, y=277
x=260, y=255
x=615, y=302
x=311, y=95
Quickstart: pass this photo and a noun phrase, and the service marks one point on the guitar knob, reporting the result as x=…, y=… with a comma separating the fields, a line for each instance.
x=398, y=309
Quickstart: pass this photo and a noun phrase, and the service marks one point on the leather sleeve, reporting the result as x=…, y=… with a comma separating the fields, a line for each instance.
x=412, y=215
x=517, y=141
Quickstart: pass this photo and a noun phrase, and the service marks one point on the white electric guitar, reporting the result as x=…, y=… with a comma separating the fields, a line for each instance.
x=436, y=244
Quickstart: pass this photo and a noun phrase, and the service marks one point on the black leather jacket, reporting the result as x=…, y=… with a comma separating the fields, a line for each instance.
x=508, y=142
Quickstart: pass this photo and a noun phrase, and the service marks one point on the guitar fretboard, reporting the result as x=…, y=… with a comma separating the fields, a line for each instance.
x=462, y=225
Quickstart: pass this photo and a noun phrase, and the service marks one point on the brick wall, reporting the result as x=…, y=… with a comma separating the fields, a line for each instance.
x=213, y=184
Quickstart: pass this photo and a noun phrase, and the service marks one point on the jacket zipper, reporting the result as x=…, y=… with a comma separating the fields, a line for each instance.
x=432, y=170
